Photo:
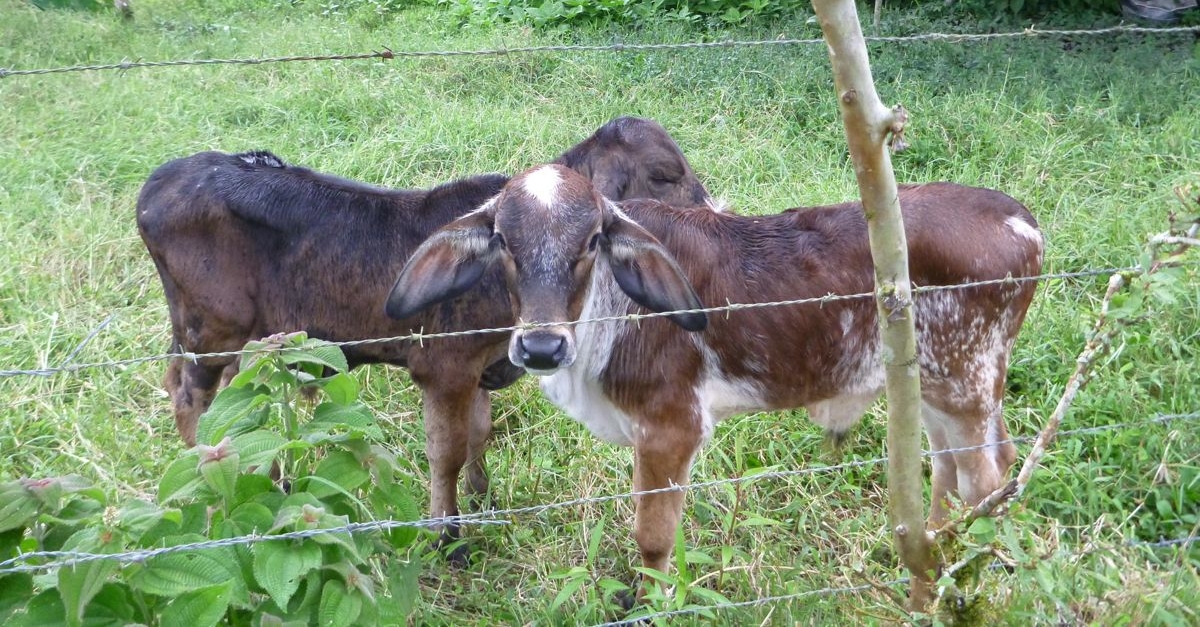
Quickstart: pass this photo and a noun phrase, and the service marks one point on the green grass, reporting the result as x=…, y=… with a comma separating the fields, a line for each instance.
x=1091, y=134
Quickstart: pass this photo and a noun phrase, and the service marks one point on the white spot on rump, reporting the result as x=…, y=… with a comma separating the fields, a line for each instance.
x=543, y=184
x=1024, y=229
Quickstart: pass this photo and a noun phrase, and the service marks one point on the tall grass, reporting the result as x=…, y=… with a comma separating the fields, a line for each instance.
x=1090, y=133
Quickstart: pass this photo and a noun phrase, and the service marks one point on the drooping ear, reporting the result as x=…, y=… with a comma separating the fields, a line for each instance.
x=648, y=274
x=448, y=264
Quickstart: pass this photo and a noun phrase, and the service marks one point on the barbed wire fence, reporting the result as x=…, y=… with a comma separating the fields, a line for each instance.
x=68, y=367
x=388, y=53
x=42, y=561
x=67, y=559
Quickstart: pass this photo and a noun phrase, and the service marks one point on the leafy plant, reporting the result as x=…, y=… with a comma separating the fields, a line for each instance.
x=327, y=452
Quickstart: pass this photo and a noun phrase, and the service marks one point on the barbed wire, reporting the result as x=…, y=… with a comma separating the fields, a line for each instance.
x=388, y=53
x=62, y=559
x=635, y=318
x=835, y=590
x=1159, y=544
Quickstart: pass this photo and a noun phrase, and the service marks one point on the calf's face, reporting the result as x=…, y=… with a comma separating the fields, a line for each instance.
x=555, y=236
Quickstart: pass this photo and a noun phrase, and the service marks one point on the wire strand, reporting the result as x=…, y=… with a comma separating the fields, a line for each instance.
x=421, y=337
x=387, y=53
x=62, y=559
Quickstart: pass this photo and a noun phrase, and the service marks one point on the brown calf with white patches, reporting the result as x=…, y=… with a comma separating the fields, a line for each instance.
x=570, y=254
x=247, y=246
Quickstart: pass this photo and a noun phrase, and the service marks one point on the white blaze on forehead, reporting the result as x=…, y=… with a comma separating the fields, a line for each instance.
x=1023, y=228
x=543, y=184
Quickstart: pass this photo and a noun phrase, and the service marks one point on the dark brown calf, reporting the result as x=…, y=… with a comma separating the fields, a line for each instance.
x=247, y=246
x=569, y=254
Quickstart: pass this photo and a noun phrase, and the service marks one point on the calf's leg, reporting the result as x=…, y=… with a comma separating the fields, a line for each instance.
x=480, y=431
x=191, y=386
x=662, y=458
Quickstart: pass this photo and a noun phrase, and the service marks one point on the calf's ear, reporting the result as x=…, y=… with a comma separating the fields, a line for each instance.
x=648, y=274
x=448, y=264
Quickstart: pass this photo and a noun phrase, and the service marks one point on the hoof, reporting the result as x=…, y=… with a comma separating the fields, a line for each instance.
x=458, y=554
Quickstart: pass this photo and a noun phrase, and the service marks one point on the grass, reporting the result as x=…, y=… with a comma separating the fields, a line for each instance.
x=1091, y=134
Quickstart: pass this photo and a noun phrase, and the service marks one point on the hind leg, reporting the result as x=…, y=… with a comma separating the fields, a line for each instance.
x=480, y=430
x=191, y=387
x=970, y=474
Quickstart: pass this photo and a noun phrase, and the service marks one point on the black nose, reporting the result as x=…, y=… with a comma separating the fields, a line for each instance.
x=543, y=351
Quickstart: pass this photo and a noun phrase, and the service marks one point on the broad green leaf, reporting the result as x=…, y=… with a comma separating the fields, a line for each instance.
x=354, y=579
x=339, y=608
x=280, y=565
x=173, y=574
x=342, y=469
x=253, y=517
x=316, y=352
x=15, y=591
x=199, y=608
x=403, y=588
x=19, y=507
x=233, y=411
x=395, y=502
x=78, y=584
x=43, y=610
x=331, y=420
x=249, y=369
x=252, y=486
x=181, y=479
x=258, y=449
x=983, y=530
x=220, y=472
x=341, y=388
x=342, y=539
x=136, y=516
x=113, y=606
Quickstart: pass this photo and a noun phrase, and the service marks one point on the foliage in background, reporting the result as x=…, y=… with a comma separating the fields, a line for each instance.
x=337, y=473
x=557, y=12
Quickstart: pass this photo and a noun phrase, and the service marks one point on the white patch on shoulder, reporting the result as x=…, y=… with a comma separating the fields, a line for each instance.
x=543, y=184
x=577, y=389
x=1023, y=229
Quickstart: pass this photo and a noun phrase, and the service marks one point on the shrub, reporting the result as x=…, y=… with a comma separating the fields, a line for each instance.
x=330, y=457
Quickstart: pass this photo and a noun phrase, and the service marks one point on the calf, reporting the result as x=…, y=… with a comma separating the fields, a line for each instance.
x=247, y=246
x=569, y=254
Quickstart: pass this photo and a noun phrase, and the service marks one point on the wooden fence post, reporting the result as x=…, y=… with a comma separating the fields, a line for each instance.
x=868, y=126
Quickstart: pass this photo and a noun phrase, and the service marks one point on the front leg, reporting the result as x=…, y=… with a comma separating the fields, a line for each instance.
x=448, y=410
x=663, y=455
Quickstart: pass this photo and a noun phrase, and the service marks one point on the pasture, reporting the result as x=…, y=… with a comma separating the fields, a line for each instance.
x=1091, y=133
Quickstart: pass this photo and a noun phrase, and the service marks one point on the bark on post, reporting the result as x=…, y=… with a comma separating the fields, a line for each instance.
x=868, y=125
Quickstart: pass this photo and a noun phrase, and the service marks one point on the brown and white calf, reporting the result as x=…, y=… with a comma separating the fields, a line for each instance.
x=247, y=246
x=569, y=254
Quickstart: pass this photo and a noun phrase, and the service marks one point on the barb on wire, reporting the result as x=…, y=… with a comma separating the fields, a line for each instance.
x=421, y=337
x=502, y=516
x=387, y=53
x=1159, y=544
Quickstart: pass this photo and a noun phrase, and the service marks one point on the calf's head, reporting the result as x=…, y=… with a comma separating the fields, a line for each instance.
x=557, y=238
x=632, y=157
